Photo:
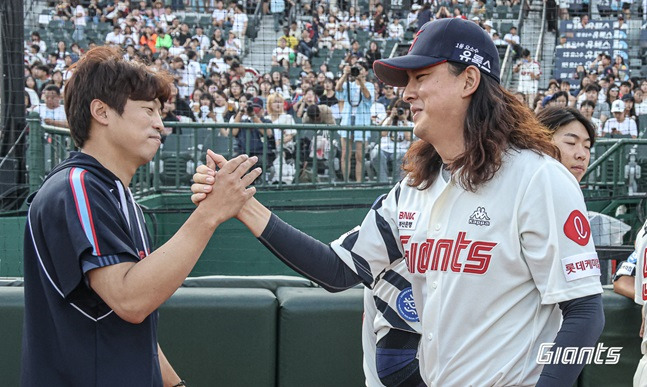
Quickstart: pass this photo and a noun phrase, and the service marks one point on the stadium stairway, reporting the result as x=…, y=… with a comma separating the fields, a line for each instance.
x=260, y=50
x=528, y=36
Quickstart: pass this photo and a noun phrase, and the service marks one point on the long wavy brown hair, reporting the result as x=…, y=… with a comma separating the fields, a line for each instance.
x=495, y=122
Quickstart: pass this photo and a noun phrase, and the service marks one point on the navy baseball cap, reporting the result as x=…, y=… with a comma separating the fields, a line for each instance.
x=443, y=40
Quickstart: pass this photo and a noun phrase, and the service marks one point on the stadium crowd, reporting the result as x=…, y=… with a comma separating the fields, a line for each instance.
x=323, y=58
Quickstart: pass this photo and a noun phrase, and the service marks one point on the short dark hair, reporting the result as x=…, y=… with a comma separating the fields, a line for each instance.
x=592, y=87
x=53, y=88
x=586, y=102
x=554, y=118
x=103, y=74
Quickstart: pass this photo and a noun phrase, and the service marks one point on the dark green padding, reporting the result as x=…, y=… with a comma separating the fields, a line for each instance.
x=270, y=282
x=621, y=330
x=320, y=338
x=12, y=306
x=221, y=337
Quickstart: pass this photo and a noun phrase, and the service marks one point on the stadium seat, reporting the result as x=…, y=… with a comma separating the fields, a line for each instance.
x=294, y=72
x=191, y=20
x=205, y=21
x=55, y=24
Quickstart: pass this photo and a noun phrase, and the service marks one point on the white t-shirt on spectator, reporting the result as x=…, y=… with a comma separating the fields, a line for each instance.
x=514, y=38
x=239, y=23
x=217, y=65
x=641, y=108
x=203, y=41
x=57, y=114
x=176, y=50
x=626, y=127
x=79, y=20
x=194, y=72
x=281, y=53
x=111, y=38
x=219, y=14
x=396, y=31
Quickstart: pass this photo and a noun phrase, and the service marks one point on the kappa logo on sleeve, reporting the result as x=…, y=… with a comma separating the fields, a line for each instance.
x=577, y=228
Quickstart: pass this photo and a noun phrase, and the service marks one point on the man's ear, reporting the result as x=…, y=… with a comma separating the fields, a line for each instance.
x=472, y=77
x=99, y=111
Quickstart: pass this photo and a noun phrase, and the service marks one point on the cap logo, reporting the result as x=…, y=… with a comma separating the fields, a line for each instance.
x=414, y=40
x=470, y=55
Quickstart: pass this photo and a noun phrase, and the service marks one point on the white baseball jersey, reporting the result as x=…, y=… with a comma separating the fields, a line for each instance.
x=641, y=277
x=495, y=263
x=527, y=70
x=389, y=305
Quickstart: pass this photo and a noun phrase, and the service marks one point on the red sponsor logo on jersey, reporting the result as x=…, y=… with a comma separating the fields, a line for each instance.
x=444, y=255
x=577, y=228
x=407, y=215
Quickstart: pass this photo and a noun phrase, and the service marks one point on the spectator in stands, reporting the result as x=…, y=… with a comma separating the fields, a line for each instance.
x=565, y=85
x=41, y=74
x=584, y=23
x=79, y=18
x=94, y=12
x=219, y=15
x=115, y=37
x=573, y=134
x=563, y=42
x=478, y=9
x=380, y=21
x=276, y=114
x=177, y=48
x=412, y=17
x=358, y=95
x=277, y=8
x=328, y=96
x=233, y=45
x=30, y=89
x=496, y=38
x=641, y=102
x=341, y=38
x=620, y=24
x=239, y=22
x=167, y=17
x=148, y=38
x=351, y=19
x=529, y=74
x=513, y=41
x=217, y=40
x=34, y=56
x=620, y=124
x=35, y=39
x=620, y=69
x=305, y=48
x=602, y=110
x=235, y=91
x=217, y=63
x=163, y=39
x=613, y=94
x=308, y=99
x=373, y=53
x=57, y=80
x=246, y=75
x=52, y=112
x=586, y=108
x=253, y=141
x=281, y=54
x=395, y=29
x=488, y=27
x=629, y=101
x=290, y=38
x=443, y=12
x=625, y=89
x=388, y=97
x=393, y=145
x=559, y=99
x=203, y=40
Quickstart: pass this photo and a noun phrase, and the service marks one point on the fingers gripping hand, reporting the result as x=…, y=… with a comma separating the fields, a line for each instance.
x=228, y=192
x=204, y=176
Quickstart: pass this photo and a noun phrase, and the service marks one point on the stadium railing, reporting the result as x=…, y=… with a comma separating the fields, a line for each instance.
x=315, y=155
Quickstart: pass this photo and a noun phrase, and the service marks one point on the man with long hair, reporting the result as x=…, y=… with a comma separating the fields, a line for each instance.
x=492, y=228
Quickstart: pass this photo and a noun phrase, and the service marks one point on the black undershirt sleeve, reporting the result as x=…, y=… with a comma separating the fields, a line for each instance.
x=307, y=256
x=582, y=327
